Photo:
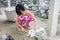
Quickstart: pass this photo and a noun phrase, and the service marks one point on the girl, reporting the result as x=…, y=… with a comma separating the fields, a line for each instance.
x=23, y=18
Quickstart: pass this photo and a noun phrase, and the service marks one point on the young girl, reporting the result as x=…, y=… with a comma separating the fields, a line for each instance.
x=23, y=18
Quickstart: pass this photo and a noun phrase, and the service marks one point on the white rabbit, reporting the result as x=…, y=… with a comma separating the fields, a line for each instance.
x=32, y=33
x=41, y=31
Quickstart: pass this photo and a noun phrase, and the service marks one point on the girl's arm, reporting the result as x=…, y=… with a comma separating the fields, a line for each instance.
x=20, y=25
x=17, y=22
x=35, y=21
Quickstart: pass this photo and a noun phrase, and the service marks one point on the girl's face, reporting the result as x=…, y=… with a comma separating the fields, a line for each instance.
x=23, y=12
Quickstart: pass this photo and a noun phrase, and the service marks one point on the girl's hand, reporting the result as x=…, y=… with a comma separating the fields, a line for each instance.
x=23, y=30
x=35, y=28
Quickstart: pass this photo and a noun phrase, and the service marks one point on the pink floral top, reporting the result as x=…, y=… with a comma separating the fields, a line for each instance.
x=25, y=20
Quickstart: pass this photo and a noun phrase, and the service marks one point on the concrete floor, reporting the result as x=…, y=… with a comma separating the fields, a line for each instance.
x=9, y=28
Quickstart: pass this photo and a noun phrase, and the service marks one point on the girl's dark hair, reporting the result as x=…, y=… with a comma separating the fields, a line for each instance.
x=19, y=8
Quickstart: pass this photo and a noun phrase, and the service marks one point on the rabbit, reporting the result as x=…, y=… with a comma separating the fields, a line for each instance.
x=35, y=33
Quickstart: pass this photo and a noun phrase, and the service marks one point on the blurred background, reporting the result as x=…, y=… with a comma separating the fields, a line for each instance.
x=40, y=8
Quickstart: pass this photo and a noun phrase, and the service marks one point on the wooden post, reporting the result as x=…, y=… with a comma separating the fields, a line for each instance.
x=53, y=17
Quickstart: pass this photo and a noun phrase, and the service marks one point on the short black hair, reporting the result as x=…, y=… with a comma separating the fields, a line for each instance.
x=19, y=8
